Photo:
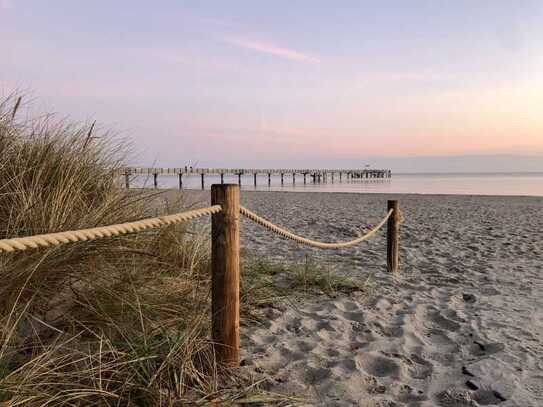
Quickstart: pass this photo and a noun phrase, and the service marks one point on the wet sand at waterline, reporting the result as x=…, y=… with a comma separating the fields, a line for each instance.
x=462, y=326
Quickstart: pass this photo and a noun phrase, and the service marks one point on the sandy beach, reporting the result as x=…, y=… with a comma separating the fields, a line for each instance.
x=462, y=326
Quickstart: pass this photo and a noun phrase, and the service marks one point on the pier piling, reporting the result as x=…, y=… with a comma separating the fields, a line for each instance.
x=317, y=175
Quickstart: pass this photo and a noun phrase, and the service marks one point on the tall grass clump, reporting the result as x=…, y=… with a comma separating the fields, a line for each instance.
x=115, y=321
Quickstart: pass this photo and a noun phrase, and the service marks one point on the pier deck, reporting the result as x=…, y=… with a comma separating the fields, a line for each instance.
x=316, y=174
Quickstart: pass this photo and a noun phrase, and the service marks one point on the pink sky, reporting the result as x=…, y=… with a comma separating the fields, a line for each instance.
x=243, y=84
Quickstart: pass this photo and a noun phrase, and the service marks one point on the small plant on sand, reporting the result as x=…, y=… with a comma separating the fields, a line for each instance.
x=308, y=275
x=276, y=281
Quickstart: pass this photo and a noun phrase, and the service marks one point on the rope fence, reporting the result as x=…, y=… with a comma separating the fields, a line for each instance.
x=225, y=211
x=308, y=242
x=72, y=236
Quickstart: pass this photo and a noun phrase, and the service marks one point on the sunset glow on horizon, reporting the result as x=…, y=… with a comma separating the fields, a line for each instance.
x=239, y=83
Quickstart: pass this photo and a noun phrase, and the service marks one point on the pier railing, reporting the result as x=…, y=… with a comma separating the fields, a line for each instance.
x=225, y=212
x=316, y=175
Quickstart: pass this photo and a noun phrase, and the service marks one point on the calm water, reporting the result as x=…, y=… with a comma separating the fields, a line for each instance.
x=468, y=184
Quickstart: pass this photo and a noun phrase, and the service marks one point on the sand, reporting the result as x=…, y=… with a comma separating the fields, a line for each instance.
x=462, y=326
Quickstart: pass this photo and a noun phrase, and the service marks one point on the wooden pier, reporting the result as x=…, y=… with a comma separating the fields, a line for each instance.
x=314, y=175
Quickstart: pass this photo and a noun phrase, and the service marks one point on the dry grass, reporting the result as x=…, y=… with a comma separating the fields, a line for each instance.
x=121, y=321
x=117, y=321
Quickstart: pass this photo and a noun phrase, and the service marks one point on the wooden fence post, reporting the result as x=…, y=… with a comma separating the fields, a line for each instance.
x=127, y=180
x=225, y=273
x=393, y=237
x=155, y=180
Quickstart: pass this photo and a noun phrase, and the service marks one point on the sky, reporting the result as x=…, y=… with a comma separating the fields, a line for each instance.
x=412, y=86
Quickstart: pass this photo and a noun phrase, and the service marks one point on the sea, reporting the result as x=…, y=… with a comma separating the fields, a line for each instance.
x=515, y=184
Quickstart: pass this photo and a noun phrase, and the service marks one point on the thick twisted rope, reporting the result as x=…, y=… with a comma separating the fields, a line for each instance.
x=56, y=239
x=321, y=245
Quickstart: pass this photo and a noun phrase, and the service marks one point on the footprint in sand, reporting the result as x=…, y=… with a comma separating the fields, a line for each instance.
x=439, y=339
x=377, y=365
x=420, y=368
x=291, y=355
x=487, y=397
x=431, y=317
x=316, y=375
x=305, y=346
x=480, y=349
x=438, y=320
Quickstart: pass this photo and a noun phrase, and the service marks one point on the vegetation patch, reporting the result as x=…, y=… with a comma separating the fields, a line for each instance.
x=122, y=320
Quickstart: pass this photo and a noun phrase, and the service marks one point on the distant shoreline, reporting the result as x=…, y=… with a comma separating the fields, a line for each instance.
x=365, y=193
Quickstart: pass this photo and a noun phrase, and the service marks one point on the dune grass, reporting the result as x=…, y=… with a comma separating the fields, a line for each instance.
x=118, y=321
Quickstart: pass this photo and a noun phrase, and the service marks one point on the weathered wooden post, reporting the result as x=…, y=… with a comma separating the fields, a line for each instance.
x=293, y=178
x=282, y=179
x=332, y=177
x=222, y=178
x=203, y=183
x=305, y=175
x=393, y=237
x=255, y=178
x=340, y=176
x=180, y=180
x=127, y=179
x=225, y=274
x=269, y=179
x=239, y=179
x=155, y=180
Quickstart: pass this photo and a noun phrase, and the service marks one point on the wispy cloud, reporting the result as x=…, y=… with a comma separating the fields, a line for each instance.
x=271, y=49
